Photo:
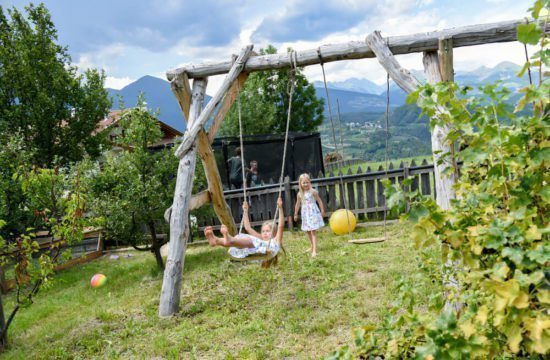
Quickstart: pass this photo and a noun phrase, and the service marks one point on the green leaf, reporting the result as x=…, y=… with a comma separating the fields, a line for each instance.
x=514, y=254
x=529, y=33
x=418, y=211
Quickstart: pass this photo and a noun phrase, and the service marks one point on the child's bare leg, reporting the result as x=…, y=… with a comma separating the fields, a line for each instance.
x=310, y=241
x=240, y=242
x=313, y=244
x=213, y=240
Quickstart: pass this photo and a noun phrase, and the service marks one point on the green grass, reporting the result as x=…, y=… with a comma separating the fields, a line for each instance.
x=304, y=308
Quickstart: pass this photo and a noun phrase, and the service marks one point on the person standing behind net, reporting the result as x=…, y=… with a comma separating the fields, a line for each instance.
x=312, y=217
x=235, y=169
x=252, y=174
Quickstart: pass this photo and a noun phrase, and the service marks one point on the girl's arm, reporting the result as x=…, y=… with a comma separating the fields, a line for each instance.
x=247, y=225
x=297, y=207
x=281, y=226
x=320, y=202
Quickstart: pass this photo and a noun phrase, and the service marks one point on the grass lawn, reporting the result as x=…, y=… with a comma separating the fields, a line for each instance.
x=304, y=308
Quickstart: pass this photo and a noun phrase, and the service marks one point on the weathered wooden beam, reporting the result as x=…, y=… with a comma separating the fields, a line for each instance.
x=215, y=183
x=504, y=31
x=445, y=54
x=191, y=134
x=199, y=200
x=196, y=202
x=228, y=100
x=215, y=190
x=179, y=226
x=182, y=91
x=440, y=144
x=180, y=87
x=404, y=79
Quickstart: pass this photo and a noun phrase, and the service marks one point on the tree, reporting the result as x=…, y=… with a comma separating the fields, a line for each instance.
x=264, y=104
x=55, y=200
x=135, y=187
x=42, y=96
x=496, y=230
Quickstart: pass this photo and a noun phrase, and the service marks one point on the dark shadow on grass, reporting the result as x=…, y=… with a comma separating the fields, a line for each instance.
x=204, y=259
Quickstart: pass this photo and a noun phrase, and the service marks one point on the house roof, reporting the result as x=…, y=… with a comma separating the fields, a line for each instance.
x=114, y=117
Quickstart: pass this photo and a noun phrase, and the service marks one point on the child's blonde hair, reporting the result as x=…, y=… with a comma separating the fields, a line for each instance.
x=270, y=224
x=301, y=191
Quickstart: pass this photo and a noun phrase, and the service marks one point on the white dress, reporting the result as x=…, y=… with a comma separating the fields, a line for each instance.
x=311, y=215
x=260, y=247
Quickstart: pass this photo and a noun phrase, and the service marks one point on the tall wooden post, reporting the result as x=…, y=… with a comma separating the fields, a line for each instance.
x=179, y=226
x=406, y=81
x=440, y=144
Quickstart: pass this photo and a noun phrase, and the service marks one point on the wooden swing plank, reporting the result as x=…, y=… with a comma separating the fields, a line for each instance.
x=368, y=240
x=256, y=257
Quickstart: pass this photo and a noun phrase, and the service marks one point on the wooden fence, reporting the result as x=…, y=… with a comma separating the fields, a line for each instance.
x=363, y=190
x=90, y=248
x=334, y=166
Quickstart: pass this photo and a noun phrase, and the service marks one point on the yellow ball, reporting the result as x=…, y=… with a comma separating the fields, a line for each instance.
x=339, y=222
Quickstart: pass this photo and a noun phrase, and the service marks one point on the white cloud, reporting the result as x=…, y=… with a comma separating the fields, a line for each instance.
x=117, y=83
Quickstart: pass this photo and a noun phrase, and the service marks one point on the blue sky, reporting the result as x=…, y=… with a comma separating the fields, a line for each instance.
x=130, y=39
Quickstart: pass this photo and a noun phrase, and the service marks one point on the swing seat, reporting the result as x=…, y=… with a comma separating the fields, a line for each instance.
x=368, y=240
x=254, y=257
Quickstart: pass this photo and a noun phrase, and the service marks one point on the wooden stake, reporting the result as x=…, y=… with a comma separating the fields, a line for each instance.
x=179, y=226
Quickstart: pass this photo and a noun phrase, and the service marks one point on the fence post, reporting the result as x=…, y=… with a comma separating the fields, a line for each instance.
x=406, y=188
x=288, y=203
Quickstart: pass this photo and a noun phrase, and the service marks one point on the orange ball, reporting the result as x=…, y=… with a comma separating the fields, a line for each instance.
x=98, y=280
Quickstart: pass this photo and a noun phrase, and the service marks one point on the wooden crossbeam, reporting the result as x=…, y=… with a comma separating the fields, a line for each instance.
x=191, y=134
x=504, y=31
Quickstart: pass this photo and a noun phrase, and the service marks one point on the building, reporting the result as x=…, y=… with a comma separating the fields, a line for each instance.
x=110, y=123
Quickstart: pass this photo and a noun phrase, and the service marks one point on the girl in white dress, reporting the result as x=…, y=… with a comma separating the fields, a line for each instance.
x=243, y=245
x=312, y=217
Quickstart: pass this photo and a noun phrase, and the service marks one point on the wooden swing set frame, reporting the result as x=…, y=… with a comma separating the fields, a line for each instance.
x=437, y=48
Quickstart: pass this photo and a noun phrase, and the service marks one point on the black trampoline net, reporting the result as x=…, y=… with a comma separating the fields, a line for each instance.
x=304, y=155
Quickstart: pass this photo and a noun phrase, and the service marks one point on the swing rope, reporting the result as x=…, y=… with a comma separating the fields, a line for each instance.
x=360, y=241
x=387, y=137
x=292, y=84
x=290, y=89
x=242, y=149
x=335, y=142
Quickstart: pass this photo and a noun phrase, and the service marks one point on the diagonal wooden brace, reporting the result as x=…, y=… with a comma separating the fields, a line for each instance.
x=191, y=135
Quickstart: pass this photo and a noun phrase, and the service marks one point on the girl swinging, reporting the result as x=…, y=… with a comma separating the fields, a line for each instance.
x=244, y=245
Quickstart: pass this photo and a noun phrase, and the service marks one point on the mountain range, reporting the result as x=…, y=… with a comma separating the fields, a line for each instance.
x=350, y=96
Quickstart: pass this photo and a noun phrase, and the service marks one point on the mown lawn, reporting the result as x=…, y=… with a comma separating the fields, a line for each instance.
x=304, y=308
